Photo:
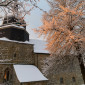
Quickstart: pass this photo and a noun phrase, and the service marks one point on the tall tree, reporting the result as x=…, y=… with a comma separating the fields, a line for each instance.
x=18, y=8
x=64, y=29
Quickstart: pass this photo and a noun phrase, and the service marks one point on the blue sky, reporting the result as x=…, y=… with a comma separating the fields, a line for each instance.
x=34, y=19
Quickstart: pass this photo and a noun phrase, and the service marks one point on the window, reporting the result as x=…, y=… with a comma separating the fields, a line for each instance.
x=61, y=81
x=73, y=79
x=14, y=54
x=6, y=75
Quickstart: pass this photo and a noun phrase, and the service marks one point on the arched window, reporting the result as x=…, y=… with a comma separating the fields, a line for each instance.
x=14, y=54
x=73, y=79
x=61, y=80
x=6, y=75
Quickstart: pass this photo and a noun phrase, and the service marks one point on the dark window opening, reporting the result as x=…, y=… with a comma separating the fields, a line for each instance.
x=73, y=79
x=6, y=75
x=61, y=81
x=15, y=55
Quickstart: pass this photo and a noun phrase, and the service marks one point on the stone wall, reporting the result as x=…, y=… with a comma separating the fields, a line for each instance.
x=20, y=53
x=15, y=79
x=3, y=67
x=70, y=71
x=17, y=53
x=35, y=83
x=14, y=53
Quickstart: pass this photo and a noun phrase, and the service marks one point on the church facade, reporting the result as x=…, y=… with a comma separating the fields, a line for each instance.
x=25, y=61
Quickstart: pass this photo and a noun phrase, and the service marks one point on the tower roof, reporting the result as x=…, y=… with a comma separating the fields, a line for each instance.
x=14, y=20
x=13, y=28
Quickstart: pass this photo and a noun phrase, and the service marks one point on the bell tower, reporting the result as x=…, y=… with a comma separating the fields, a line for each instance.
x=14, y=28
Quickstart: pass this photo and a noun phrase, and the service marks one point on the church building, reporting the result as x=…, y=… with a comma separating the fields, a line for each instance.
x=24, y=61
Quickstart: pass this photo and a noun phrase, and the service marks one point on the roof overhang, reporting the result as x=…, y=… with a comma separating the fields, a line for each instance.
x=28, y=73
x=12, y=25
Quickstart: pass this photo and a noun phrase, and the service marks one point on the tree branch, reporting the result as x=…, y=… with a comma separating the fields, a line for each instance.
x=5, y=4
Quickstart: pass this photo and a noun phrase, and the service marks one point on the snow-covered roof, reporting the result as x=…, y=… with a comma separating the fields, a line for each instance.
x=39, y=45
x=28, y=73
x=12, y=25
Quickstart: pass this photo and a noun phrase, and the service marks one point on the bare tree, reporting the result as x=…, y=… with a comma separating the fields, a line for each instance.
x=17, y=8
x=64, y=29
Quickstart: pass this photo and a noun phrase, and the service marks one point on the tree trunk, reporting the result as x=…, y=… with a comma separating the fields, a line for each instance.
x=81, y=63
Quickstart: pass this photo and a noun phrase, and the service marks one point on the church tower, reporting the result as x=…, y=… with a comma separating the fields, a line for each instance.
x=17, y=56
x=14, y=28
